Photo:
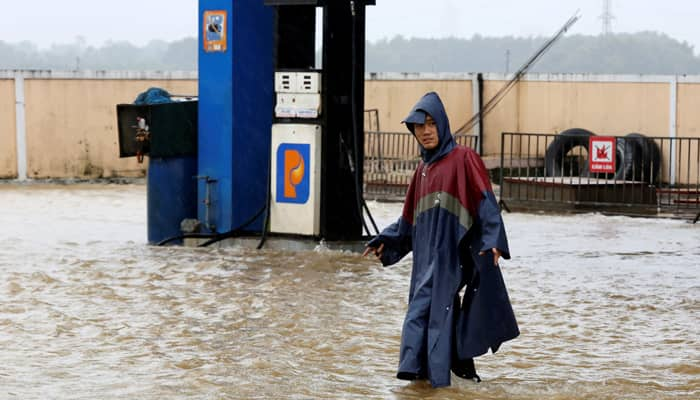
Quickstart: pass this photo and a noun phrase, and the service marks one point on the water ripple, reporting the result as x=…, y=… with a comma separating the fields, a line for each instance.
x=607, y=311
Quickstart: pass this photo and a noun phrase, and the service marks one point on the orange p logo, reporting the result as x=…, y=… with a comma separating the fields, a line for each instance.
x=293, y=172
x=293, y=168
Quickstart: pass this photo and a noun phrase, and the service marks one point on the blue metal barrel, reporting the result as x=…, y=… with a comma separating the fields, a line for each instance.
x=172, y=195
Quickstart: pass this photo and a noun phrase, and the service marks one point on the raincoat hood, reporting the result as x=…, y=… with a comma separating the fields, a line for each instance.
x=431, y=104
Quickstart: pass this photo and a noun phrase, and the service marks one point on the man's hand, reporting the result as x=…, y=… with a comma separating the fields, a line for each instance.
x=376, y=250
x=496, y=255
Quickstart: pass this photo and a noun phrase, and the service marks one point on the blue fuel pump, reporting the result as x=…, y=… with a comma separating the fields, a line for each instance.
x=235, y=103
x=250, y=154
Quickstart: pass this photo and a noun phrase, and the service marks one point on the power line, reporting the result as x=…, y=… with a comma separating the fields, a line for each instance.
x=491, y=104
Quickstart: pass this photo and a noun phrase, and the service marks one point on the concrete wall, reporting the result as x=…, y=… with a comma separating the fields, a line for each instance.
x=551, y=103
x=688, y=126
x=393, y=105
x=605, y=108
x=71, y=130
x=72, y=125
x=540, y=103
x=8, y=152
x=395, y=94
x=71, y=121
x=688, y=106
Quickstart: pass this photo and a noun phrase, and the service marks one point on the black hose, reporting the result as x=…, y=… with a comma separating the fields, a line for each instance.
x=355, y=134
x=266, y=220
x=354, y=166
x=355, y=174
x=233, y=232
x=502, y=204
x=369, y=214
x=217, y=237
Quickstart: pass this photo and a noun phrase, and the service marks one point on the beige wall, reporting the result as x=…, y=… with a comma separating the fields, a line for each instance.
x=601, y=107
x=393, y=105
x=8, y=134
x=395, y=98
x=688, y=106
x=688, y=119
x=72, y=125
x=615, y=108
x=607, y=105
x=71, y=122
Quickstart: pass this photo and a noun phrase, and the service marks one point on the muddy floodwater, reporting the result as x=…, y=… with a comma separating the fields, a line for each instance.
x=609, y=308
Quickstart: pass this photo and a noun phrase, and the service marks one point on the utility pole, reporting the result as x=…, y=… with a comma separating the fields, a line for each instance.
x=607, y=17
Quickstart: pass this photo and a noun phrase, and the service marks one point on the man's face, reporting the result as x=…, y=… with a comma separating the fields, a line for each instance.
x=427, y=133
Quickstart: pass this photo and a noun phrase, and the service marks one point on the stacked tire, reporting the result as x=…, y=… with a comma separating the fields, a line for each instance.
x=637, y=158
x=555, y=157
x=648, y=161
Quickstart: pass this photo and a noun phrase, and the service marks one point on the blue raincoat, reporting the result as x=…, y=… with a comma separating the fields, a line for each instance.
x=450, y=215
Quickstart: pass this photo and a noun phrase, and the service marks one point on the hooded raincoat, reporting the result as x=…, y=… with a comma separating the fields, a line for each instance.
x=450, y=215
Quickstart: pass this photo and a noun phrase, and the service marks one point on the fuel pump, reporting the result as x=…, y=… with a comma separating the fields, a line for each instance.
x=235, y=98
x=275, y=133
x=317, y=142
x=295, y=201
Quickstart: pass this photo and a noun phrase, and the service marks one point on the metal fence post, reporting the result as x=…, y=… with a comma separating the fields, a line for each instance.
x=673, y=121
x=21, y=126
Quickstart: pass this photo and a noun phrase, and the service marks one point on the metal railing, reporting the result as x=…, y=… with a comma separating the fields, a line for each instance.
x=372, y=119
x=391, y=159
x=651, y=174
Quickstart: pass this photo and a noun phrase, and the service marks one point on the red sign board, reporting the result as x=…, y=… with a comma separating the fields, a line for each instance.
x=601, y=154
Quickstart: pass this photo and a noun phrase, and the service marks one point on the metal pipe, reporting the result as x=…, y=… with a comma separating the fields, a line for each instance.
x=480, y=128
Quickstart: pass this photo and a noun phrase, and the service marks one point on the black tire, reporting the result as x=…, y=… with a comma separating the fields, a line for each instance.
x=648, y=163
x=628, y=160
x=554, y=163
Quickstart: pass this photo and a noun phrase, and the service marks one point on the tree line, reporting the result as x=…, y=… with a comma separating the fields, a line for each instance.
x=180, y=55
x=638, y=53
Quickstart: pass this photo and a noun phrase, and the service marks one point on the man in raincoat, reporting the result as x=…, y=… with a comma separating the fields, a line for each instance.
x=452, y=223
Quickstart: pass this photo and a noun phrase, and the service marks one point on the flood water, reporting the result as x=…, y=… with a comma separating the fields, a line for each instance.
x=609, y=308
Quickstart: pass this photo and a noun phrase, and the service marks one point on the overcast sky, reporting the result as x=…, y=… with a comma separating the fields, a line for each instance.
x=60, y=21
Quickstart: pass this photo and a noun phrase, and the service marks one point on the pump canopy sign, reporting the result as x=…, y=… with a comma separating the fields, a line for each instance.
x=601, y=154
x=214, y=25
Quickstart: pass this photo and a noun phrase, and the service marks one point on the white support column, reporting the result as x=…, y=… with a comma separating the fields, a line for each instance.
x=673, y=125
x=20, y=122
